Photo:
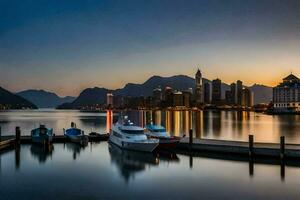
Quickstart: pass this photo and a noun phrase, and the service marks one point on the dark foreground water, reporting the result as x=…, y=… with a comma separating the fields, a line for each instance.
x=227, y=125
x=102, y=172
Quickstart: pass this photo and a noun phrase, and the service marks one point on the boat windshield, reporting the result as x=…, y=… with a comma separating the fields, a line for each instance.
x=133, y=131
x=159, y=130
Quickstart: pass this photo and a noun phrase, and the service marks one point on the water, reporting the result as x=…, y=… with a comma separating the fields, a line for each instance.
x=101, y=171
x=226, y=125
x=98, y=171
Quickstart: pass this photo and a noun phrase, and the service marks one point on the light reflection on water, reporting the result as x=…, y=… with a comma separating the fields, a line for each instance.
x=227, y=125
x=103, y=171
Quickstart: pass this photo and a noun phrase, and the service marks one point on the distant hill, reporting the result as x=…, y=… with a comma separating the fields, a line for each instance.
x=44, y=99
x=91, y=96
x=13, y=101
x=262, y=93
x=96, y=95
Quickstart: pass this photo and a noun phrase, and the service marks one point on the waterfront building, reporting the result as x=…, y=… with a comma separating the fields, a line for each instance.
x=207, y=95
x=168, y=96
x=247, y=98
x=286, y=95
x=228, y=97
x=177, y=99
x=109, y=99
x=156, y=97
x=239, y=88
x=186, y=98
x=198, y=88
x=233, y=93
x=216, y=91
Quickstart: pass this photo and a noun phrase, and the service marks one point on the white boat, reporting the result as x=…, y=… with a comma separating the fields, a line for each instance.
x=131, y=137
x=160, y=132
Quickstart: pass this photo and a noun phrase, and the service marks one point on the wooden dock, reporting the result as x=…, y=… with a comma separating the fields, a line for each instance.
x=11, y=141
x=242, y=148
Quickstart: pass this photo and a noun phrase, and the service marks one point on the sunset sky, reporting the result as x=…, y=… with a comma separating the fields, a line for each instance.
x=65, y=46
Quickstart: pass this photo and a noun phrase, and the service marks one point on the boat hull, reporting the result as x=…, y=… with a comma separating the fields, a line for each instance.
x=135, y=146
x=166, y=142
x=42, y=139
x=80, y=139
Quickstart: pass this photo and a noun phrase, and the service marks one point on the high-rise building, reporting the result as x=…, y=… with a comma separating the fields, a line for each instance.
x=286, y=95
x=198, y=89
x=216, y=91
x=177, y=99
x=247, y=98
x=239, y=88
x=207, y=93
x=233, y=93
x=168, y=96
x=156, y=97
x=230, y=95
x=187, y=98
x=109, y=99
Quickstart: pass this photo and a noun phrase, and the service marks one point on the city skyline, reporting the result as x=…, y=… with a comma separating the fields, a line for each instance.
x=65, y=48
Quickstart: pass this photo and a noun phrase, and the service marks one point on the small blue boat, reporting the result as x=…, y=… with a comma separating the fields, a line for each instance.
x=76, y=135
x=42, y=135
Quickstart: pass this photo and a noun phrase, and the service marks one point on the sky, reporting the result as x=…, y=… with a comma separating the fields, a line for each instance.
x=65, y=46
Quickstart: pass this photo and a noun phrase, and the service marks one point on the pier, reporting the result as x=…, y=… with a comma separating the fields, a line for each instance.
x=189, y=145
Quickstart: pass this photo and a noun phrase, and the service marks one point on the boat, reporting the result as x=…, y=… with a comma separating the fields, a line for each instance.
x=128, y=136
x=76, y=135
x=42, y=135
x=94, y=136
x=159, y=132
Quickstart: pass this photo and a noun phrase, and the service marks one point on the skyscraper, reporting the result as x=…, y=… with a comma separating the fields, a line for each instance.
x=207, y=93
x=198, y=89
x=109, y=99
x=247, y=98
x=216, y=91
x=239, y=88
x=232, y=93
x=156, y=96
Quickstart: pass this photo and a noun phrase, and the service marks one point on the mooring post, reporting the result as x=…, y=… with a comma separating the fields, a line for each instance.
x=18, y=135
x=282, y=147
x=191, y=138
x=251, y=138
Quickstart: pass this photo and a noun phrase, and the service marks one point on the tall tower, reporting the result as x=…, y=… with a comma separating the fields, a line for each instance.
x=198, y=89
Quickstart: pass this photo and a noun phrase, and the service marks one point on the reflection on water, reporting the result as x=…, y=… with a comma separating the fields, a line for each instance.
x=100, y=170
x=75, y=148
x=41, y=153
x=131, y=162
x=227, y=125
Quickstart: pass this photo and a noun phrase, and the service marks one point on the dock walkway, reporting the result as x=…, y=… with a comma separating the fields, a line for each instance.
x=239, y=147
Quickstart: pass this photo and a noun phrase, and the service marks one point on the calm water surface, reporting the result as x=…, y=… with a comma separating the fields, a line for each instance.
x=101, y=171
x=227, y=125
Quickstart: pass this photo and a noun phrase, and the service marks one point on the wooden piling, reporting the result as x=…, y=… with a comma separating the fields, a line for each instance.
x=251, y=139
x=18, y=135
x=282, y=147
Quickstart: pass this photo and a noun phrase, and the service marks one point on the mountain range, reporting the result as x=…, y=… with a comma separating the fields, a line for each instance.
x=44, y=99
x=90, y=96
x=13, y=101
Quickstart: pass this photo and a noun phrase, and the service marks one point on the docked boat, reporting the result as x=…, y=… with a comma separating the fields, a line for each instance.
x=76, y=135
x=128, y=136
x=159, y=132
x=42, y=135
